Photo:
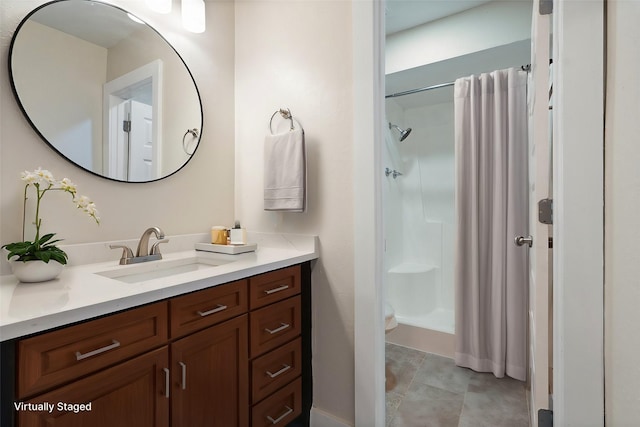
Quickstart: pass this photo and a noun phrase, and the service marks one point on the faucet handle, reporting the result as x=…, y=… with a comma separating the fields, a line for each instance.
x=127, y=253
x=155, y=249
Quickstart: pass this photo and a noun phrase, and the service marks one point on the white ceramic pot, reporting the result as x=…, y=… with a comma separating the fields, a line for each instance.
x=36, y=271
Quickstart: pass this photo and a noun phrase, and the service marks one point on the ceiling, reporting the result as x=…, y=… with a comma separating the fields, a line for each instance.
x=405, y=14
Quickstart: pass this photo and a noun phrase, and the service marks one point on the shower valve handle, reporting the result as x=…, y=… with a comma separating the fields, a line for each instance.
x=521, y=241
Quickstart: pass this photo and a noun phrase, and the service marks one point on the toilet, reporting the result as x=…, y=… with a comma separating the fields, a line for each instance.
x=390, y=323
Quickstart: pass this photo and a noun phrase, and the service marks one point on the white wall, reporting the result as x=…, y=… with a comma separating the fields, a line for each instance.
x=498, y=23
x=297, y=55
x=200, y=195
x=622, y=203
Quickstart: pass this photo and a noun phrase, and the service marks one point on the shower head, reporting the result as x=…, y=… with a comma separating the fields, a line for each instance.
x=404, y=133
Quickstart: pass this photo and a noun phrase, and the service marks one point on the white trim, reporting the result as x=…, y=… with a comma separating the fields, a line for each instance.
x=539, y=172
x=368, y=112
x=578, y=279
x=323, y=419
x=151, y=70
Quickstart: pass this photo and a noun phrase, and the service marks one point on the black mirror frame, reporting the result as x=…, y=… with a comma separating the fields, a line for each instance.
x=37, y=131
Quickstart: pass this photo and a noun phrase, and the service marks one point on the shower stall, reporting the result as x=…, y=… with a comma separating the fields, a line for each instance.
x=418, y=193
x=419, y=214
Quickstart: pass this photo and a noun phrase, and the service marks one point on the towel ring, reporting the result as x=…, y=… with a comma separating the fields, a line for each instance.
x=286, y=114
x=194, y=133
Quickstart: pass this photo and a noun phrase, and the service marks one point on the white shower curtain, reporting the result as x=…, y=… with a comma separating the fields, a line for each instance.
x=491, y=273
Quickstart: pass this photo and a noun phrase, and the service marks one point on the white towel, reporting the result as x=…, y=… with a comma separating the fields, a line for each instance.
x=285, y=172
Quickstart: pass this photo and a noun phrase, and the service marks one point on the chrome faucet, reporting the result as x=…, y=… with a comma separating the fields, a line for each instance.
x=142, y=253
x=143, y=244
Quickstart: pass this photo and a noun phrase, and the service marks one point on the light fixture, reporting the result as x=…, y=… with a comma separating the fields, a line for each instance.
x=160, y=6
x=193, y=15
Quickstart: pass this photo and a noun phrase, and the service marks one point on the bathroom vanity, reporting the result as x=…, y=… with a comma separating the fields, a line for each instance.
x=229, y=346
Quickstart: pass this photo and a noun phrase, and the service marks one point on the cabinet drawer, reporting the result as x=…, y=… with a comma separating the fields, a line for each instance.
x=280, y=408
x=61, y=356
x=275, y=369
x=204, y=308
x=129, y=394
x=274, y=325
x=274, y=286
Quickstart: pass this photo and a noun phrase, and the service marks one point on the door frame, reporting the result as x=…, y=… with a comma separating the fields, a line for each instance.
x=578, y=159
x=540, y=336
x=578, y=193
x=111, y=127
x=368, y=137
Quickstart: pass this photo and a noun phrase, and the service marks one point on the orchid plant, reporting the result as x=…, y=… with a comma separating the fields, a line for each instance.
x=43, y=247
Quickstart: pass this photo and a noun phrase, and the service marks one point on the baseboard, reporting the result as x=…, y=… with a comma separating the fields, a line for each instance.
x=320, y=418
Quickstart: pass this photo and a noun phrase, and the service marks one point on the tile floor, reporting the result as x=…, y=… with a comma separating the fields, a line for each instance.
x=432, y=392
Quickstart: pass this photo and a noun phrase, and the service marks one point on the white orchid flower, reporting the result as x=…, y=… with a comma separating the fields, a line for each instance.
x=67, y=185
x=29, y=177
x=92, y=211
x=82, y=201
x=43, y=181
x=45, y=176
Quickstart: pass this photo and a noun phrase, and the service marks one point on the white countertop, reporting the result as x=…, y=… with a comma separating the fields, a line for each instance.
x=79, y=293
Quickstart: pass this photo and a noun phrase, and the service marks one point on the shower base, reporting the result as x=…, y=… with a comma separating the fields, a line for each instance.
x=431, y=333
x=440, y=320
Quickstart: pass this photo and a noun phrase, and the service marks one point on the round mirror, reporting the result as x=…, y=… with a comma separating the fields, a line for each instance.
x=105, y=90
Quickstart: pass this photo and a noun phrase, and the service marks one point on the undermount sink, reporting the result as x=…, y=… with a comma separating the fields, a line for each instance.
x=158, y=269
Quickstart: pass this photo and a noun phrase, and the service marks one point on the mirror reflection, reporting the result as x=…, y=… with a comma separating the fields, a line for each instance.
x=105, y=90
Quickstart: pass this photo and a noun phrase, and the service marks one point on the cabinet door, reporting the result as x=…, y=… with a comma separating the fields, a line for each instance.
x=210, y=377
x=130, y=394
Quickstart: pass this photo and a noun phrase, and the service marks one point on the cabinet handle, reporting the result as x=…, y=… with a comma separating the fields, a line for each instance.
x=114, y=344
x=184, y=375
x=278, y=289
x=166, y=382
x=280, y=372
x=276, y=330
x=218, y=309
x=281, y=417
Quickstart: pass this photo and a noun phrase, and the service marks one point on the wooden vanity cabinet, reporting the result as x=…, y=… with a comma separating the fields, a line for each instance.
x=129, y=394
x=210, y=377
x=276, y=347
x=218, y=357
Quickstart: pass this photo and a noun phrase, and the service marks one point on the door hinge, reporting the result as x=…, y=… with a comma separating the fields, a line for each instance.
x=545, y=418
x=126, y=126
x=545, y=7
x=545, y=211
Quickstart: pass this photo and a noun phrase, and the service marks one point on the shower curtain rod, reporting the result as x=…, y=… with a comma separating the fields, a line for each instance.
x=422, y=89
x=526, y=68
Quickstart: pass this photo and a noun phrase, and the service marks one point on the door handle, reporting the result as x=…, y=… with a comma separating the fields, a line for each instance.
x=521, y=241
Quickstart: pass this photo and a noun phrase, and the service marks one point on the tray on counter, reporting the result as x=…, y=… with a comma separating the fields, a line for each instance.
x=226, y=249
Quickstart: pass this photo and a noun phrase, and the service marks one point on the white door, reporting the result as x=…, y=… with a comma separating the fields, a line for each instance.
x=141, y=151
x=539, y=189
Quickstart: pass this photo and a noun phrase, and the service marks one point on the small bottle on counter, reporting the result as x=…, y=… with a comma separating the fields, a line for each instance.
x=219, y=235
x=238, y=235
